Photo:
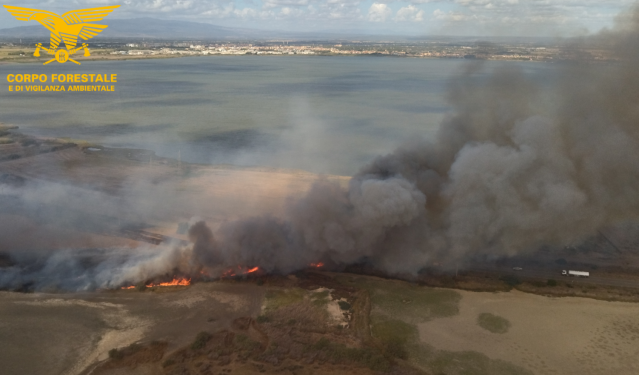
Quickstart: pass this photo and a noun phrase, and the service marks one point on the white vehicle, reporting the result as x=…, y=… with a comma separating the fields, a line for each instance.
x=575, y=273
x=517, y=268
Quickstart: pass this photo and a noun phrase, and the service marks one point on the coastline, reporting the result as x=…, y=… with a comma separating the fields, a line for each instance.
x=32, y=59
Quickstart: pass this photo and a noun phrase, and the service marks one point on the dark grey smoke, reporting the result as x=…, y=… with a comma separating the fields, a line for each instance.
x=512, y=168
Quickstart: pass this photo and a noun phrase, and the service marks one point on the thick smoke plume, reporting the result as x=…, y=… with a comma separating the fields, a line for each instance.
x=515, y=166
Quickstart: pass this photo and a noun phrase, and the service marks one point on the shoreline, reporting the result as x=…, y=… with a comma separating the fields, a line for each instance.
x=18, y=61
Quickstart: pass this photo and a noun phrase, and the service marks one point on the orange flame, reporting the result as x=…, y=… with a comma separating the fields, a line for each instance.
x=317, y=265
x=175, y=282
x=240, y=271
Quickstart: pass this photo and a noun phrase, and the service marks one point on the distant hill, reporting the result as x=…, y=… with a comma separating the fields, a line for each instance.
x=150, y=28
x=153, y=28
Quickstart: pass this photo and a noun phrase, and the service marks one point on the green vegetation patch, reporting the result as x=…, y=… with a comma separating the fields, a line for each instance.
x=243, y=342
x=461, y=363
x=80, y=142
x=394, y=336
x=116, y=354
x=493, y=323
x=341, y=353
x=263, y=319
x=168, y=362
x=393, y=330
x=344, y=305
x=320, y=299
x=405, y=301
x=510, y=280
x=200, y=340
x=279, y=298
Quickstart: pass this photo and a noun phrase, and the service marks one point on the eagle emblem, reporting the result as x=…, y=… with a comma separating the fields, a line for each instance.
x=65, y=28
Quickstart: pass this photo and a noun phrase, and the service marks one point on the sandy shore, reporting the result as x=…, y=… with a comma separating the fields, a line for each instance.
x=547, y=335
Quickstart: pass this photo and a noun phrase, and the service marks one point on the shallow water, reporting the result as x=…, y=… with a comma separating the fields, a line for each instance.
x=321, y=114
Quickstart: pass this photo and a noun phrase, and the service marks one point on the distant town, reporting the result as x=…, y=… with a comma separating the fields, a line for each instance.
x=22, y=50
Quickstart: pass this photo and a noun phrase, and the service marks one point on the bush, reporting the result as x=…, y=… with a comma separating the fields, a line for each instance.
x=263, y=319
x=168, y=362
x=551, y=282
x=395, y=335
x=396, y=347
x=322, y=344
x=394, y=330
x=493, y=323
x=510, y=280
x=200, y=340
x=341, y=353
x=245, y=343
x=344, y=305
x=115, y=354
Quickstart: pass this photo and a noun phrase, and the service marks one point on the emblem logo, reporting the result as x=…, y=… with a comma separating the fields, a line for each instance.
x=65, y=28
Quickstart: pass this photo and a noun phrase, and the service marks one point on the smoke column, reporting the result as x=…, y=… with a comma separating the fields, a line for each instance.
x=512, y=168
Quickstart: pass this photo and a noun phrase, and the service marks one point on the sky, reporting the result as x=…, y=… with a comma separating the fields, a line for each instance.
x=380, y=17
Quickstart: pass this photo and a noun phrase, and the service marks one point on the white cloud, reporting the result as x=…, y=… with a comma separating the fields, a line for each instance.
x=471, y=17
x=379, y=12
x=284, y=3
x=409, y=13
x=450, y=16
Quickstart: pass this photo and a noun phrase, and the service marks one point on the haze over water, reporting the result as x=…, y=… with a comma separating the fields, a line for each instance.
x=321, y=114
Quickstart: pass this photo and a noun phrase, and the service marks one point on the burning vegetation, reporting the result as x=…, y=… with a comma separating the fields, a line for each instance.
x=513, y=167
x=177, y=281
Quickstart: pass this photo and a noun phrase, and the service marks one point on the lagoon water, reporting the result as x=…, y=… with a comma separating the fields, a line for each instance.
x=321, y=114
